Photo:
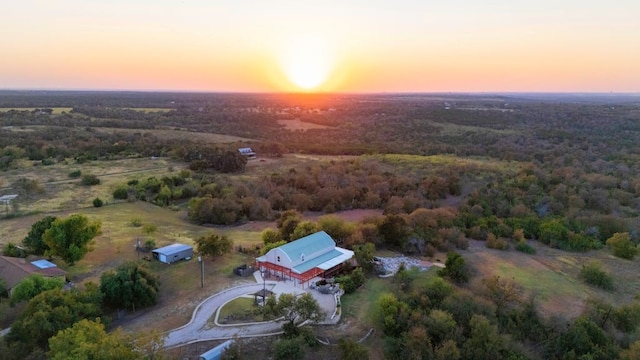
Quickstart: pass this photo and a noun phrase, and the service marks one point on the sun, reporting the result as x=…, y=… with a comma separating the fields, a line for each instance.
x=307, y=63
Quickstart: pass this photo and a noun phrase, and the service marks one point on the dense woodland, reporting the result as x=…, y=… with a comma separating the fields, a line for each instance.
x=505, y=169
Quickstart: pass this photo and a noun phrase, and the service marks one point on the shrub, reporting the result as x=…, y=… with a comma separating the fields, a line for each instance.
x=455, y=268
x=136, y=222
x=75, y=174
x=286, y=349
x=627, y=318
x=621, y=246
x=525, y=248
x=593, y=274
x=121, y=193
x=494, y=242
x=97, y=202
x=89, y=180
x=12, y=250
x=149, y=228
x=149, y=245
x=350, y=283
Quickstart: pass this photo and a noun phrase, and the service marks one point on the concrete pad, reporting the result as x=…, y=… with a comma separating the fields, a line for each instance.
x=287, y=287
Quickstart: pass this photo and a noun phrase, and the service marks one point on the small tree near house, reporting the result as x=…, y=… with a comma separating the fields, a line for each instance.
x=71, y=238
x=213, y=245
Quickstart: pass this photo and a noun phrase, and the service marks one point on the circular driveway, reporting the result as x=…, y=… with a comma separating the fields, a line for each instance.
x=195, y=330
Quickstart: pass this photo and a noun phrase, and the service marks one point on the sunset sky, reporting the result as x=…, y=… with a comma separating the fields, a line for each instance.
x=346, y=46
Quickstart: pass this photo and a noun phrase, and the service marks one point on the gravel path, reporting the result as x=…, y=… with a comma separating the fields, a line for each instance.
x=392, y=264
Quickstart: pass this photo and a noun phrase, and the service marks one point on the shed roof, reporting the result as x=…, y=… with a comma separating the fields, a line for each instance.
x=172, y=249
x=309, y=244
x=6, y=199
x=216, y=352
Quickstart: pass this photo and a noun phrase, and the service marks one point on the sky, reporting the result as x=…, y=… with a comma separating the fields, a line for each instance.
x=326, y=46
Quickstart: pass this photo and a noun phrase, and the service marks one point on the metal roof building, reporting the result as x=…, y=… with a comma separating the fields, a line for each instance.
x=303, y=259
x=172, y=253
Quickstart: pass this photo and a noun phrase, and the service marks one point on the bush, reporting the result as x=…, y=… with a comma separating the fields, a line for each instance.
x=494, y=242
x=627, y=318
x=136, y=222
x=289, y=349
x=89, y=180
x=350, y=283
x=121, y=193
x=525, y=248
x=12, y=250
x=621, y=246
x=593, y=274
x=97, y=202
x=75, y=174
x=455, y=268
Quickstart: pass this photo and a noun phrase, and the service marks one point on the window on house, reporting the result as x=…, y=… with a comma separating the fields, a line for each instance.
x=278, y=259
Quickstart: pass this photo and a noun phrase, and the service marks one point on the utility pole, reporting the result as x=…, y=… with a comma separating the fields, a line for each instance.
x=263, y=272
x=200, y=260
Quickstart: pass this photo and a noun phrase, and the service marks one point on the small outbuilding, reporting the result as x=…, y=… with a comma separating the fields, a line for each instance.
x=217, y=352
x=248, y=152
x=172, y=253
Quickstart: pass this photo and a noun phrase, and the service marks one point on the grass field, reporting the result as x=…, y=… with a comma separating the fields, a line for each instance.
x=295, y=125
x=551, y=276
x=239, y=310
x=62, y=193
x=450, y=129
x=150, y=110
x=173, y=134
x=56, y=110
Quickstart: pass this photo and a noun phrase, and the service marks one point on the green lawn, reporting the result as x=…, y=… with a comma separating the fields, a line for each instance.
x=239, y=310
x=545, y=284
x=361, y=304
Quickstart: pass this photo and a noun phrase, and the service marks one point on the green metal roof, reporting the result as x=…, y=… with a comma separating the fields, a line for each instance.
x=308, y=245
x=312, y=263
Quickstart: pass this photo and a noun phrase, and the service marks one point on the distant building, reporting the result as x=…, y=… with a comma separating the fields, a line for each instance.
x=14, y=270
x=250, y=154
x=172, y=253
x=312, y=256
x=6, y=200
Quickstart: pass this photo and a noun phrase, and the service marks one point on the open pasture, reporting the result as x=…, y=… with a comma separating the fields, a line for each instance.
x=59, y=192
x=297, y=125
x=552, y=276
x=55, y=110
x=176, y=134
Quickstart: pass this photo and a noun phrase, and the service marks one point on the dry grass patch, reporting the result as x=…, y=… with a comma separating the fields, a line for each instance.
x=62, y=193
x=173, y=134
x=296, y=124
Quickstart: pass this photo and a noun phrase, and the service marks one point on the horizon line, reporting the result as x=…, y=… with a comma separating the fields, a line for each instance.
x=523, y=92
